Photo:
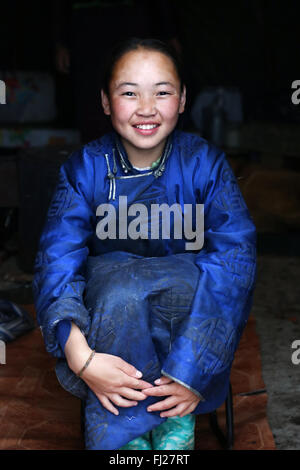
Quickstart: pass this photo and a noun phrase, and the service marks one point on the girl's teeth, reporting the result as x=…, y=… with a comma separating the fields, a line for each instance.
x=146, y=126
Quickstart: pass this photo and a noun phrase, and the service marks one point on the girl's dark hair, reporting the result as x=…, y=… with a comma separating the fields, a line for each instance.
x=132, y=44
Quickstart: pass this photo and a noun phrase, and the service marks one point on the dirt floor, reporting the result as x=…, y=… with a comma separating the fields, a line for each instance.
x=277, y=312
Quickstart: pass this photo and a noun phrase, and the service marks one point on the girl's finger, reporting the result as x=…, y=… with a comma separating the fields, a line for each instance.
x=120, y=401
x=131, y=394
x=187, y=411
x=180, y=408
x=129, y=369
x=191, y=408
x=160, y=391
x=134, y=383
x=166, y=404
x=163, y=380
x=107, y=404
x=143, y=384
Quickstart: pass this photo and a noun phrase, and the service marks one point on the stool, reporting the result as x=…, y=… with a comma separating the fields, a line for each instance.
x=226, y=440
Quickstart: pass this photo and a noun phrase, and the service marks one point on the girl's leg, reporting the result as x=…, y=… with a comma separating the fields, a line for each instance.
x=140, y=443
x=175, y=434
x=136, y=304
x=168, y=309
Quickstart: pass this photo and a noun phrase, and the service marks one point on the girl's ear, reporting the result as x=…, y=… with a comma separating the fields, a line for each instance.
x=105, y=103
x=182, y=100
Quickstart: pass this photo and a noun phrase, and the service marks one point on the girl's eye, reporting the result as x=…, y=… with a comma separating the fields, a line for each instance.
x=128, y=93
x=163, y=93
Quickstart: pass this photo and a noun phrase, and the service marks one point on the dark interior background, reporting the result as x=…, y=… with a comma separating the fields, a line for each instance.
x=249, y=44
x=252, y=45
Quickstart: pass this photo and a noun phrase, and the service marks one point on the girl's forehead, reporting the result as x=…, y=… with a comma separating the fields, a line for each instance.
x=143, y=62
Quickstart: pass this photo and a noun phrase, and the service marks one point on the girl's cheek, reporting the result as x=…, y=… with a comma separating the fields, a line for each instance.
x=171, y=108
x=121, y=108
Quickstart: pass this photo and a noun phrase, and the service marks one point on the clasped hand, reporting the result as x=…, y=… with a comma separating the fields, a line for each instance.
x=115, y=382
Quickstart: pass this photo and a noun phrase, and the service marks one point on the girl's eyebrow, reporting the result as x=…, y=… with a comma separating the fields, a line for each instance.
x=136, y=84
x=164, y=83
x=126, y=83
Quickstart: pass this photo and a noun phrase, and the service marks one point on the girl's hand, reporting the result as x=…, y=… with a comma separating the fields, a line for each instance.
x=182, y=400
x=111, y=378
x=114, y=382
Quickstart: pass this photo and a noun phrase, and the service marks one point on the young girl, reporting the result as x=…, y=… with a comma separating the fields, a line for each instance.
x=145, y=322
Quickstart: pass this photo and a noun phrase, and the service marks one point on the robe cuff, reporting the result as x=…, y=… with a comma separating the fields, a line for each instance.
x=63, y=309
x=184, y=384
x=63, y=332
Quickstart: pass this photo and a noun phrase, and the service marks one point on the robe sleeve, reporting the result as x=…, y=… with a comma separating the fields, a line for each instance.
x=203, y=351
x=59, y=280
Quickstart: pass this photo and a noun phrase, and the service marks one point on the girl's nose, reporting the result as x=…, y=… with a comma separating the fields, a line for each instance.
x=146, y=107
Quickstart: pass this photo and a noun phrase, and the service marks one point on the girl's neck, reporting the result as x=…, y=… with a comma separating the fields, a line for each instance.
x=142, y=158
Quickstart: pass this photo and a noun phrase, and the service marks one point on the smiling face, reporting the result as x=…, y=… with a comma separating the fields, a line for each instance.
x=144, y=103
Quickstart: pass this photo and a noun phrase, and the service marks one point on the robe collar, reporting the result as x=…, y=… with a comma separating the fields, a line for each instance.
x=127, y=166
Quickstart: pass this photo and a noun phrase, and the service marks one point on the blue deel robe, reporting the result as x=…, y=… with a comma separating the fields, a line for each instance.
x=162, y=307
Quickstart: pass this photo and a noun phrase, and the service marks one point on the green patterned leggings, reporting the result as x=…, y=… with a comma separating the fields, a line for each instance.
x=173, y=434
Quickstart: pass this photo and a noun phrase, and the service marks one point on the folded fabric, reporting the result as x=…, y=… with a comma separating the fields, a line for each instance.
x=14, y=321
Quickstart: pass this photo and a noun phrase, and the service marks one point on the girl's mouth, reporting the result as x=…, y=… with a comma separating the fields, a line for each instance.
x=146, y=129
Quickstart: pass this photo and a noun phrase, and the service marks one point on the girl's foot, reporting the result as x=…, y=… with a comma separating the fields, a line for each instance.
x=175, y=434
x=140, y=443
